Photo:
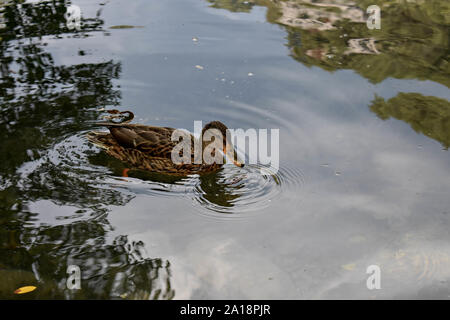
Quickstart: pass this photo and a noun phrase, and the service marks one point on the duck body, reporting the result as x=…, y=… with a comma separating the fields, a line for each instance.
x=147, y=148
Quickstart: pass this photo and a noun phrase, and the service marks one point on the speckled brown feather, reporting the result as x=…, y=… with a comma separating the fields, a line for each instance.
x=147, y=148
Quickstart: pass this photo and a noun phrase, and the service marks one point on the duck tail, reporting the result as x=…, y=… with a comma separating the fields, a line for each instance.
x=100, y=139
x=107, y=124
x=123, y=116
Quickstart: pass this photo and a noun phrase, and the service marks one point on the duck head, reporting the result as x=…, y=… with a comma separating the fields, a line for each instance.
x=228, y=149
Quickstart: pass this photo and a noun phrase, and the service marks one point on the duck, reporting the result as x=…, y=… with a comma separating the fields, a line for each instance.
x=149, y=148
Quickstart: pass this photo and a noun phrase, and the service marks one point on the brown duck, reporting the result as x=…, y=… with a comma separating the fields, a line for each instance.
x=149, y=148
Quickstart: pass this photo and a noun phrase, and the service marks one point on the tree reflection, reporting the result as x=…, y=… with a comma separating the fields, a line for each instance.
x=42, y=107
x=411, y=44
x=427, y=115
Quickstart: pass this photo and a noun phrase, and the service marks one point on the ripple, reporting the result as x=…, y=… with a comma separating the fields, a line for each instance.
x=230, y=193
x=236, y=193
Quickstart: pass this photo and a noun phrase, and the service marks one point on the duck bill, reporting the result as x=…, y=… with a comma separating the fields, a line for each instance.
x=232, y=156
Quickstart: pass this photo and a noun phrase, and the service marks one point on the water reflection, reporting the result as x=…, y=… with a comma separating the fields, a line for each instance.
x=237, y=192
x=231, y=191
x=44, y=107
x=425, y=114
x=40, y=257
x=57, y=193
x=411, y=44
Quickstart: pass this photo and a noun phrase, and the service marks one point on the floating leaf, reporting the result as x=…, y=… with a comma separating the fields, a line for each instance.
x=349, y=266
x=25, y=289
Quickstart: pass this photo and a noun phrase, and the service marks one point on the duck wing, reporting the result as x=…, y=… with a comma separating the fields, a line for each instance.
x=153, y=141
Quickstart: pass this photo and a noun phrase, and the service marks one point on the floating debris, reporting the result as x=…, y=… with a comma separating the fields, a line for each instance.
x=125, y=26
x=25, y=289
x=250, y=74
x=199, y=67
x=195, y=39
x=349, y=267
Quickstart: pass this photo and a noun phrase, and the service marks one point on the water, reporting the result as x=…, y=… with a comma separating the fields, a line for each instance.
x=364, y=136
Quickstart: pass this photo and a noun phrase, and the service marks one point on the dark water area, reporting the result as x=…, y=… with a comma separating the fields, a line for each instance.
x=363, y=179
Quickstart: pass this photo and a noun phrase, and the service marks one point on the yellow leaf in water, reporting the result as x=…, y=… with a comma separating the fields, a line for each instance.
x=349, y=267
x=25, y=289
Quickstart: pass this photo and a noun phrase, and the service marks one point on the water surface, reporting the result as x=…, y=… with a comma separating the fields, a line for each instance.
x=364, y=119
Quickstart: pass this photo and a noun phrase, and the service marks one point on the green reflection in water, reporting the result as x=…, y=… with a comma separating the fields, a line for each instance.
x=426, y=114
x=413, y=42
x=42, y=104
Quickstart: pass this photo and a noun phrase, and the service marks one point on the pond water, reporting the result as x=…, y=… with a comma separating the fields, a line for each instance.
x=364, y=123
